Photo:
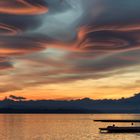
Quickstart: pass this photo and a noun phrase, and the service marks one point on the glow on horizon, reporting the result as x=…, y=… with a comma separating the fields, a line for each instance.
x=104, y=88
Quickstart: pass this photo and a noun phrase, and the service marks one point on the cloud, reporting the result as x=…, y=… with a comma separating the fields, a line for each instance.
x=5, y=64
x=53, y=41
x=19, y=45
x=20, y=98
x=23, y=7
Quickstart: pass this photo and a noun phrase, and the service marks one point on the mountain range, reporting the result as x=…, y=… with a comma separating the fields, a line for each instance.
x=14, y=104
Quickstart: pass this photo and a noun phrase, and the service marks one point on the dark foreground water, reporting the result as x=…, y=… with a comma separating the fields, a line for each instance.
x=60, y=127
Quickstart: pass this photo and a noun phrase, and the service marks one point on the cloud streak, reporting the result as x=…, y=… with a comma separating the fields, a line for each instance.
x=23, y=7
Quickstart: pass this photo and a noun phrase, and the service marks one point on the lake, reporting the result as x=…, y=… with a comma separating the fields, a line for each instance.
x=61, y=127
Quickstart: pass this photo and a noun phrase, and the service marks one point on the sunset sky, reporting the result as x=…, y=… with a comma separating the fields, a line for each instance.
x=69, y=49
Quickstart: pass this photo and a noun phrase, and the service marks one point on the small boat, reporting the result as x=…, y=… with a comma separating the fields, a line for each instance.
x=115, y=129
x=120, y=121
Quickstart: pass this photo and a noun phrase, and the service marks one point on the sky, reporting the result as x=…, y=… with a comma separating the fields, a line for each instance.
x=69, y=49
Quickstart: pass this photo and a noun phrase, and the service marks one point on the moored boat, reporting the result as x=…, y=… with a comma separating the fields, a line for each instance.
x=115, y=129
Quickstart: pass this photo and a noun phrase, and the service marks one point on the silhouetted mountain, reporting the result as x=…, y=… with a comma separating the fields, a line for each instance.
x=14, y=104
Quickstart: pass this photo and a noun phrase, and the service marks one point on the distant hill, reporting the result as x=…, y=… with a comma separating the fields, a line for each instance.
x=14, y=104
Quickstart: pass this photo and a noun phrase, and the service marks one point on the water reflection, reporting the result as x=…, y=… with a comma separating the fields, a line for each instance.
x=60, y=127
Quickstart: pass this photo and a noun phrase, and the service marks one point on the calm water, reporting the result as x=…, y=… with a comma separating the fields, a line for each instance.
x=60, y=127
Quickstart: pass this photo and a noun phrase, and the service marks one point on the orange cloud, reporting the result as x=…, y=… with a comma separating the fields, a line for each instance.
x=8, y=30
x=21, y=7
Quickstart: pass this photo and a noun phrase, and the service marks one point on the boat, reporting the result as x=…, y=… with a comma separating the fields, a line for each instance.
x=120, y=121
x=115, y=129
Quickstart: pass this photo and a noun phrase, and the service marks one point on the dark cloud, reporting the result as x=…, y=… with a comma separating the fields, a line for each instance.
x=20, y=98
x=19, y=45
x=5, y=65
